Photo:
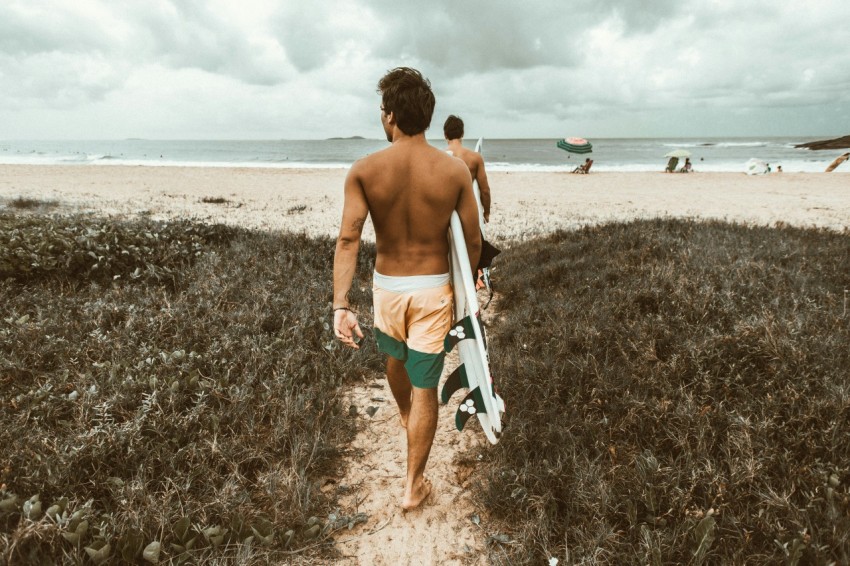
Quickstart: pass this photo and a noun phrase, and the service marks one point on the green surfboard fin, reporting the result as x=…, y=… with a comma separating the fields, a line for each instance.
x=472, y=404
x=461, y=330
x=455, y=381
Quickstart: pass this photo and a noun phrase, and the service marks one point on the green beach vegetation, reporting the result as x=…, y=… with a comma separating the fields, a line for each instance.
x=677, y=392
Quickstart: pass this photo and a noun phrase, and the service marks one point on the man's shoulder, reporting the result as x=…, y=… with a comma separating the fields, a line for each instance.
x=375, y=157
x=470, y=156
x=456, y=162
x=369, y=162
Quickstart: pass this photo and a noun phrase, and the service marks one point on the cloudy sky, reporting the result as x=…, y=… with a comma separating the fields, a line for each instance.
x=295, y=69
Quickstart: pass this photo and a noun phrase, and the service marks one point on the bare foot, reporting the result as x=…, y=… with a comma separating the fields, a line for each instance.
x=419, y=494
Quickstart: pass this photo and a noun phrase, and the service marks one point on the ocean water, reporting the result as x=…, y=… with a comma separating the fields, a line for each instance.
x=646, y=154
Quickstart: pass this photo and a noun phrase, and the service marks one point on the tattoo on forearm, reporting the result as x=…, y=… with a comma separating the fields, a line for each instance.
x=358, y=224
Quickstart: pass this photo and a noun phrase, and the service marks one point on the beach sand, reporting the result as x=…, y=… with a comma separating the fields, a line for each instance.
x=524, y=204
x=448, y=529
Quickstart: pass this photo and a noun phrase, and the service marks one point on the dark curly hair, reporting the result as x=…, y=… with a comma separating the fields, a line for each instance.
x=406, y=93
x=453, y=128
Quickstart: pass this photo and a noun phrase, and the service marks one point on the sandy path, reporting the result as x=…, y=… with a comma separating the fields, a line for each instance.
x=441, y=531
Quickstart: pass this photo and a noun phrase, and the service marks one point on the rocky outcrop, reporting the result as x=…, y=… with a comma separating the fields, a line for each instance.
x=837, y=143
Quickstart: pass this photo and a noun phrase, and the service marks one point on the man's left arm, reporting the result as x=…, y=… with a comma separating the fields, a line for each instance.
x=483, y=188
x=354, y=213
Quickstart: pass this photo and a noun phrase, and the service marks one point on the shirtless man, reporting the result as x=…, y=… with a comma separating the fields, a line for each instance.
x=410, y=189
x=453, y=131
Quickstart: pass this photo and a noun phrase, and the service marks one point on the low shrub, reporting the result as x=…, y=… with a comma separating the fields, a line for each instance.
x=24, y=203
x=215, y=200
x=84, y=249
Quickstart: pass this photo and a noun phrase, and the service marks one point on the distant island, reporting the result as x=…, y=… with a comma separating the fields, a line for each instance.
x=348, y=138
x=837, y=143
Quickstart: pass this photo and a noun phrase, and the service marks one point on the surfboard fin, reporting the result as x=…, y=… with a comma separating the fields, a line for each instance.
x=473, y=403
x=455, y=381
x=461, y=330
x=500, y=403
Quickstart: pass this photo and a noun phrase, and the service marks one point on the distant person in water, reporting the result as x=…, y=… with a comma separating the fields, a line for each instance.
x=410, y=190
x=453, y=132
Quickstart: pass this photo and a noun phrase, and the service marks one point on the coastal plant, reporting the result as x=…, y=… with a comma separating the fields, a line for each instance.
x=34, y=248
x=187, y=415
x=214, y=200
x=26, y=203
x=678, y=392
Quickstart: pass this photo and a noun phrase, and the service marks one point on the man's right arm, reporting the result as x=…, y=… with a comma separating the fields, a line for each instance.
x=354, y=213
x=483, y=188
x=467, y=209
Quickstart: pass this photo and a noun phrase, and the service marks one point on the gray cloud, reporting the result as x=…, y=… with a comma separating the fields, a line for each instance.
x=291, y=68
x=34, y=29
x=191, y=34
x=307, y=34
x=470, y=37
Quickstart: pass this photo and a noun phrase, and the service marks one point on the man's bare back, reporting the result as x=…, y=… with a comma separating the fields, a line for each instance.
x=411, y=189
x=475, y=163
x=472, y=159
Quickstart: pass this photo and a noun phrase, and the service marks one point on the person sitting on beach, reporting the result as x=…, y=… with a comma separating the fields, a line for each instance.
x=453, y=132
x=585, y=167
x=410, y=190
x=686, y=168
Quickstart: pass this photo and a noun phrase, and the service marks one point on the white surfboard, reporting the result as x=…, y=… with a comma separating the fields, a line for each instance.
x=467, y=334
x=479, y=147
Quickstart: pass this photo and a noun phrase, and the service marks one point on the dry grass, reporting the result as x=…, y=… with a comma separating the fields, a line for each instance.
x=198, y=407
x=678, y=392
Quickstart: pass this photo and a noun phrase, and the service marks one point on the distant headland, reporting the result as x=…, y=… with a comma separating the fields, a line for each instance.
x=837, y=143
x=348, y=138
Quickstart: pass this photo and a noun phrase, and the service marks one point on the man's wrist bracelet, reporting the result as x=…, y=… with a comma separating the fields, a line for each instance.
x=343, y=309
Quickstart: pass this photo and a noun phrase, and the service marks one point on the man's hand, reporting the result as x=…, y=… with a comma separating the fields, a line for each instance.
x=346, y=328
x=486, y=217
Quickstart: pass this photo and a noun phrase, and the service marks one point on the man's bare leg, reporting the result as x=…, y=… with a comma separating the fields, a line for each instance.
x=421, y=427
x=400, y=386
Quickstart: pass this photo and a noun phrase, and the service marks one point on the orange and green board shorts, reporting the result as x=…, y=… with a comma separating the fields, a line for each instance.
x=411, y=324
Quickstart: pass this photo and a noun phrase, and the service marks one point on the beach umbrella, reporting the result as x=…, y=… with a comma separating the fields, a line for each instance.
x=575, y=145
x=756, y=167
x=678, y=153
x=838, y=161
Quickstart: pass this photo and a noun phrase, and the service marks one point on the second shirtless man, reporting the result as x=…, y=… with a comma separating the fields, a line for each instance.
x=453, y=132
x=410, y=189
